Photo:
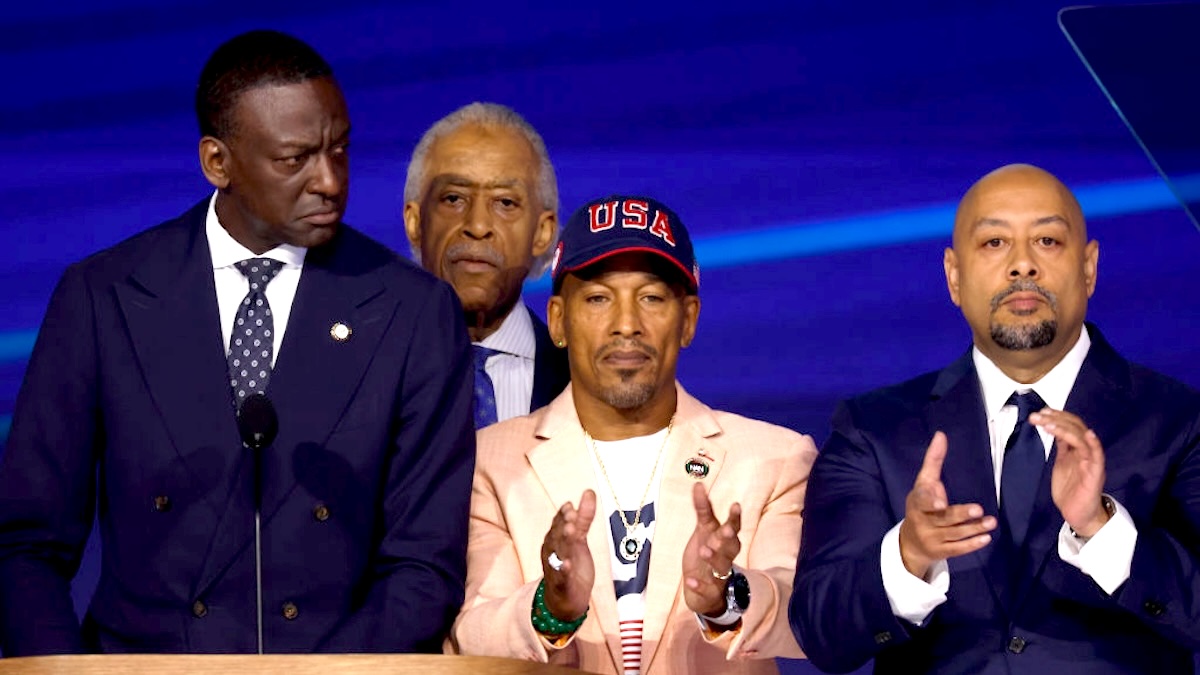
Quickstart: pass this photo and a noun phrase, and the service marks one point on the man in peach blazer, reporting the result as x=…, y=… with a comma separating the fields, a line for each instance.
x=663, y=586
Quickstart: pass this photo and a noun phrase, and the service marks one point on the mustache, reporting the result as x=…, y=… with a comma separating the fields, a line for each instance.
x=625, y=345
x=1024, y=286
x=469, y=251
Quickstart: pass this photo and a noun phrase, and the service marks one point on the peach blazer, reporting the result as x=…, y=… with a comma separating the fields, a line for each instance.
x=527, y=467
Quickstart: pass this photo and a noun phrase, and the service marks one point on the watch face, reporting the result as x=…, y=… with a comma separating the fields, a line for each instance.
x=741, y=591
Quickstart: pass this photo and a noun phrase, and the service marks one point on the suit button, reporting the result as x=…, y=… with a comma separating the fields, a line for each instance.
x=162, y=503
x=199, y=610
x=289, y=611
x=321, y=513
x=1154, y=608
x=883, y=638
x=1016, y=645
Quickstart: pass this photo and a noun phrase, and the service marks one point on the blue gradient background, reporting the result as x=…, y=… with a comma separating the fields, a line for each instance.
x=815, y=149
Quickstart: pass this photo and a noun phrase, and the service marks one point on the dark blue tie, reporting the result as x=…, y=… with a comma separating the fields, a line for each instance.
x=252, y=341
x=485, y=393
x=1024, y=459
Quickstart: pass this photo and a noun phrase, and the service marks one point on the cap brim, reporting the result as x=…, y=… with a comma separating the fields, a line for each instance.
x=693, y=286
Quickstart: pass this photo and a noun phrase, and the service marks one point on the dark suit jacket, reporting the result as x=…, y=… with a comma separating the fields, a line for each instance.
x=550, y=370
x=1034, y=614
x=126, y=413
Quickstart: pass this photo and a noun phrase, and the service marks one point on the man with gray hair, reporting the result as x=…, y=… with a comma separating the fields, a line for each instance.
x=481, y=213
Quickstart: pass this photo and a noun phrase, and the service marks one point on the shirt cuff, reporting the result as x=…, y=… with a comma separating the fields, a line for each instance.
x=911, y=598
x=1108, y=555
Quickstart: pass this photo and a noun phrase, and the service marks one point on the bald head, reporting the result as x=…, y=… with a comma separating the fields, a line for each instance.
x=1022, y=268
x=1017, y=183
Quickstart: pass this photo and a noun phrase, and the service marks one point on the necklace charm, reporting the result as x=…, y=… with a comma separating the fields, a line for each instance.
x=630, y=549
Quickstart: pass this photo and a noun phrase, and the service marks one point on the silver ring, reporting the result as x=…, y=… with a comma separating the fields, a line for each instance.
x=555, y=562
x=722, y=577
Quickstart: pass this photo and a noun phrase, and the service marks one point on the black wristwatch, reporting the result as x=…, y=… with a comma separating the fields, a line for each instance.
x=737, y=593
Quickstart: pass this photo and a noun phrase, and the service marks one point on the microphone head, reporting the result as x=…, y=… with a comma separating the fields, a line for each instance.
x=257, y=422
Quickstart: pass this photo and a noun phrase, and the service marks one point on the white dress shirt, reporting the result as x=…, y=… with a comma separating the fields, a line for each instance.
x=1106, y=557
x=511, y=371
x=232, y=285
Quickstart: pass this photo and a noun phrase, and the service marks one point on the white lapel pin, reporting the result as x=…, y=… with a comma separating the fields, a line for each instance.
x=340, y=331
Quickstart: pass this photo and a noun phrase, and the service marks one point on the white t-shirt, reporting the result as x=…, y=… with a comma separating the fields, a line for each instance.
x=629, y=463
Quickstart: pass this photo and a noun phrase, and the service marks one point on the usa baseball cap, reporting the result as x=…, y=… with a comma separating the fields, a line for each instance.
x=622, y=224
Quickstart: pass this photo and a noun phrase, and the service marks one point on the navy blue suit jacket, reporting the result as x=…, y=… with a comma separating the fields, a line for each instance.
x=126, y=414
x=1035, y=614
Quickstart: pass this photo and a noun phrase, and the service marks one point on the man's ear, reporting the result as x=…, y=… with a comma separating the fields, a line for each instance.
x=554, y=320
x=691, y=317
x=214, y=161
x=543, y=233
x=1091, y=265
x=412, y=224
x=950, y=264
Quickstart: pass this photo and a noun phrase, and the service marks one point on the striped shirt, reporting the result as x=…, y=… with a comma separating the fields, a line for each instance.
x=512, y=370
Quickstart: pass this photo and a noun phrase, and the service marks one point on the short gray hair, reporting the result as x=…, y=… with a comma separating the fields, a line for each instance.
x=488, y=115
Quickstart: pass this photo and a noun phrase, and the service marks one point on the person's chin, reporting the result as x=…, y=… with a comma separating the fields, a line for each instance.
x=474, y=297
x=316, y=236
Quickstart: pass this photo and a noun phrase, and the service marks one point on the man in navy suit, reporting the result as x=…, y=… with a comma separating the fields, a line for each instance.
x=129, y=409
x=1056, y=533
x=481, y=213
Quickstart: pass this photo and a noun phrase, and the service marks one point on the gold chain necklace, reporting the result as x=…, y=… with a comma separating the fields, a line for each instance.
x=630, y=547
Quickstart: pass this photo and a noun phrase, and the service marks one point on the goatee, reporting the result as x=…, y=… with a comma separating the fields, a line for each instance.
x=629, y=396
x=1019, y=338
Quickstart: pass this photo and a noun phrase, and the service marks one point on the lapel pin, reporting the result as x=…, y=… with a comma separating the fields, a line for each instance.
x=340, y=331
x=696, y=468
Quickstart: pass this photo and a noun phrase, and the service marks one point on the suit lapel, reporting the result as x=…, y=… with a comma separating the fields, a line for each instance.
x=170, y=308
x=957, y=409
x=676, y=519
x=564, y=468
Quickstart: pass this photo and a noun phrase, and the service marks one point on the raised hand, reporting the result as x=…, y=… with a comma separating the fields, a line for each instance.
x=933, y=529
x=709, y=554
x=1077, y=478
x=569, y=587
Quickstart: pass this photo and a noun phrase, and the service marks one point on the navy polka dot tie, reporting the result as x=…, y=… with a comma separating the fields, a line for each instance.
x=251, y=342
x=485, y=393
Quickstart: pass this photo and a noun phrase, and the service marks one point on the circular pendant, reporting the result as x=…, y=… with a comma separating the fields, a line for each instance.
x=630, y=549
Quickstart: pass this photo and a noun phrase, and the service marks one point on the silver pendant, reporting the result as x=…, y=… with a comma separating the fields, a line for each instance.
x=630, y=549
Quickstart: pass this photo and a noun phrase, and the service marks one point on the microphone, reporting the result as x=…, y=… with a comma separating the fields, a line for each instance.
x=258, y=424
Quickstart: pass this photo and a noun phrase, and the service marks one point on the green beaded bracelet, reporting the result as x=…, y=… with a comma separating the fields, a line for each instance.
x=546, y=623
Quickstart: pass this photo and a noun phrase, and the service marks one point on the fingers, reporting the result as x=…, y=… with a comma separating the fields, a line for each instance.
x=940, y=535
x=928, y=498
x=931, y=466
x=933, y=529
x=567, y=536
x=952, y=516
x=1069, y=430
x=721, y=546
x=586, y=511
x=704, y=514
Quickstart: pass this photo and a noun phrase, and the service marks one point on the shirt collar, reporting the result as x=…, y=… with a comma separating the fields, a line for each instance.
x=1054, y=387
x=226, y=250
x=515, y=335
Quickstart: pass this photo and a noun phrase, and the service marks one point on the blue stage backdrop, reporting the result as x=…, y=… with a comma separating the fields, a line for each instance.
x=815, y=148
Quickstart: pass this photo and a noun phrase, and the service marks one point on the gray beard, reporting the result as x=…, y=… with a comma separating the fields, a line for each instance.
x=1021, y=338
x=628, y=396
